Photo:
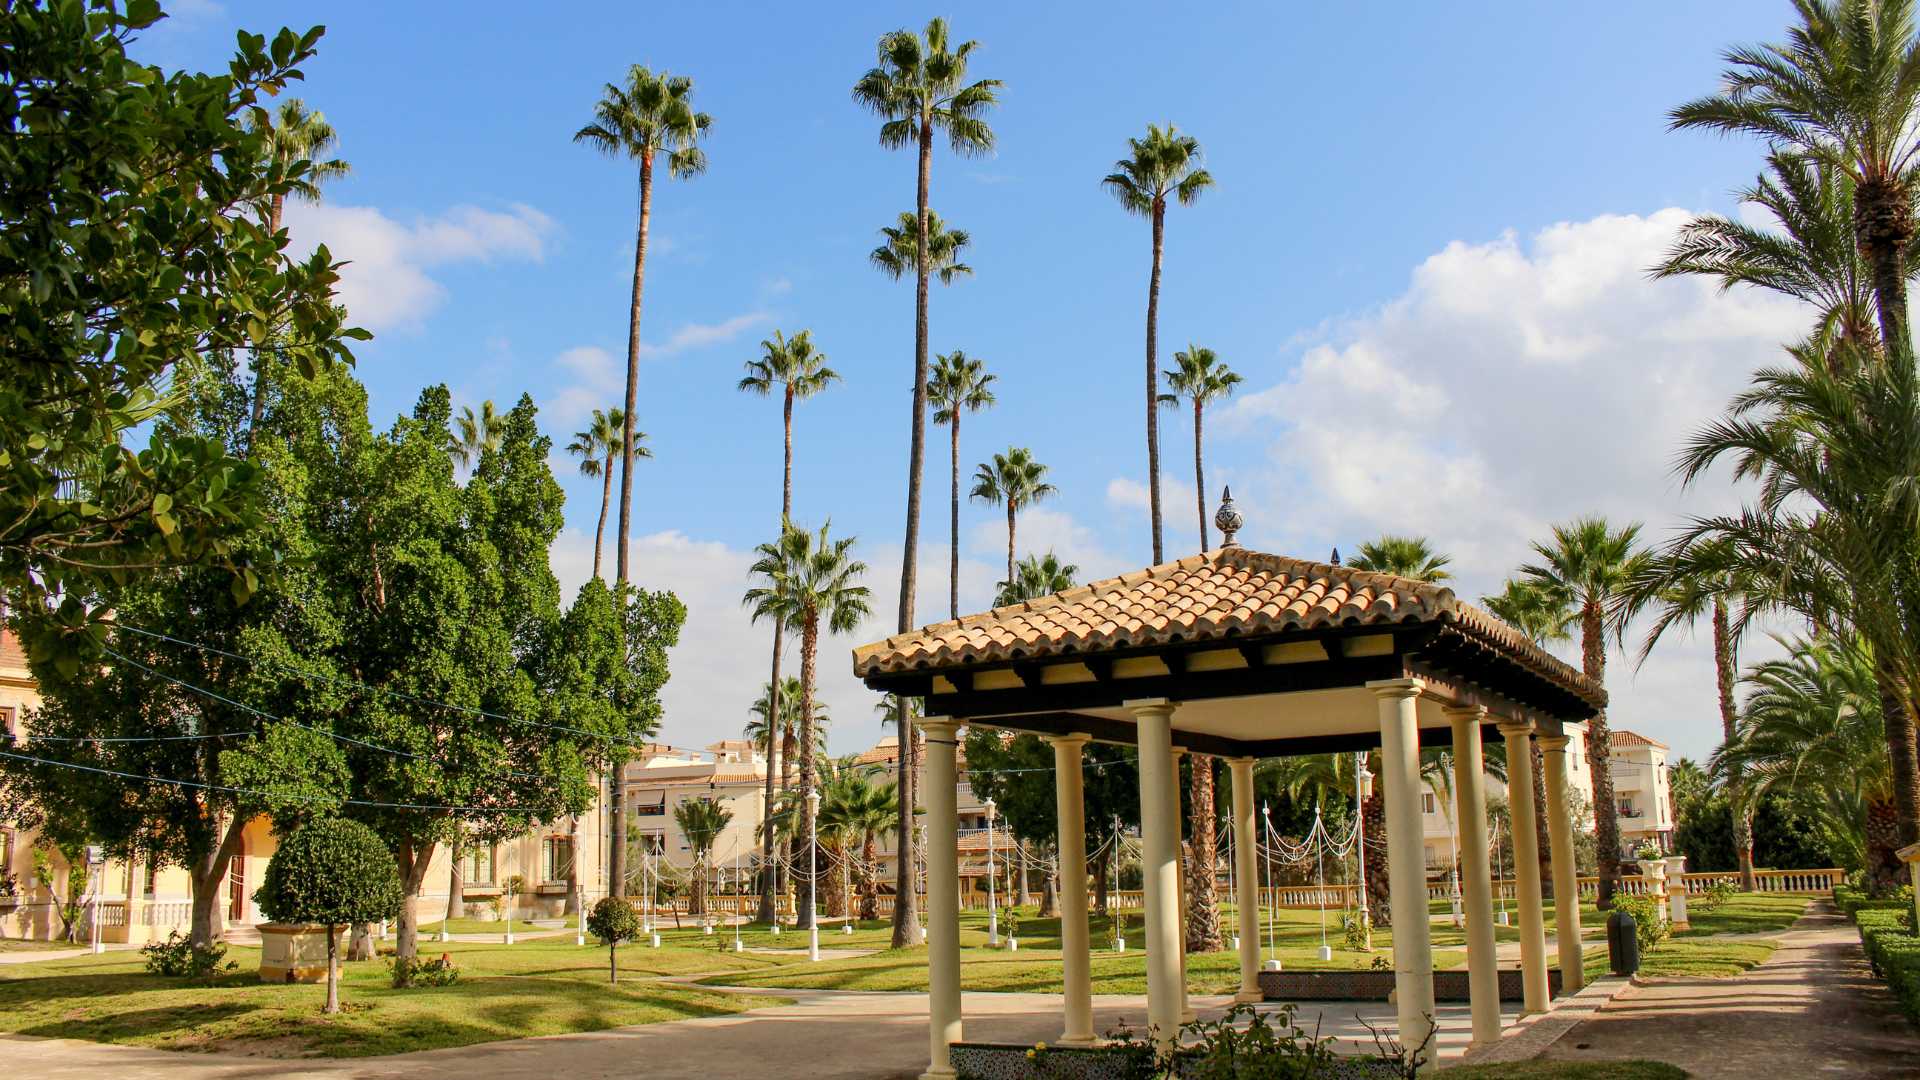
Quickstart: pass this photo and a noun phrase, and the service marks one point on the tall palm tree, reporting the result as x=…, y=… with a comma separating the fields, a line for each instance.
x=1593, y=565
x=918, y=86
x=855, y=809
x=1844, y=89
x=1811, y=255
x=1835, y=448
x=809, y=578
x=1200, y=378
x=296, y=139
x=800, y=371
x=1013, y=480
x=1162, y=165
x=650, y=114
x=1544, y=616
x=1812, y=729
x=786, y=728
x=1403, y=556
x=1036, y=576
x=1684, y=602
x=477, y=433
x=596, y=447
x=701, y=821
x=960, y=385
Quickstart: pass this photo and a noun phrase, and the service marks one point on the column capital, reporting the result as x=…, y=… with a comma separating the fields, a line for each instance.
x=1149, y=704
x=942, y=726
x=1076, y=738
x=1237, y=762
x=1512, y=728
x=1395, y=688
x=1457, y=712
x=1552, y=743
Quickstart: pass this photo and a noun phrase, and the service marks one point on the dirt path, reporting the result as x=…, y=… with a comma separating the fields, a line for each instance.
x=1813, y=1009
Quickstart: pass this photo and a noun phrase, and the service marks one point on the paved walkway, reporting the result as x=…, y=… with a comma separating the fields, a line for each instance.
x=1813, y=1009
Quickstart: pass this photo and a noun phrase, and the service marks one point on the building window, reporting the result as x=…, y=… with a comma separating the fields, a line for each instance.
x=1427, y=803
x=557, y=852
x=480, y=866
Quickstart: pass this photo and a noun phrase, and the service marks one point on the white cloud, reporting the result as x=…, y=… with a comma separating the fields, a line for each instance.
x=700, y=335
x=1515, y=384
x=387, y=283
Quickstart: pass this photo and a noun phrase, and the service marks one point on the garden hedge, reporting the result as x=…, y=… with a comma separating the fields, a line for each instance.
x=1894, y=951
x=1851, y=901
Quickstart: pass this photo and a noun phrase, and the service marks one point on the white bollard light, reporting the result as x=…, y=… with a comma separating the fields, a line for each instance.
x=1270, y=965
x=656, y=940
x=1326, y=952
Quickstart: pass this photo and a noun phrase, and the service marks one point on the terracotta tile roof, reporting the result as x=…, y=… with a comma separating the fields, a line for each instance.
x=1622, y=737
x=1219, y=595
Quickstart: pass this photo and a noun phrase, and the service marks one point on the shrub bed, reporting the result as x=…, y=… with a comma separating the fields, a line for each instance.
x=1851, y=901
x=1894, y=951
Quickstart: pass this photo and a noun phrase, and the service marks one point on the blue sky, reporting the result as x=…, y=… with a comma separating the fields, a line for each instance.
x=1424, y=252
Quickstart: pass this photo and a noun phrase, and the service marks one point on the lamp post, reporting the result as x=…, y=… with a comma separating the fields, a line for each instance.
x=813, y=876
x=993, y=912
x=97, y=873
x=1273, y=938
x=1360, y=788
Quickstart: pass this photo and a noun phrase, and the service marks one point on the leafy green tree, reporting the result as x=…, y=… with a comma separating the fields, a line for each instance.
x=334, y=872
x=701, y=821
x=104, y=295
x=918, y=86
x=1036, y=576
x=961, y=385
x=649, y=115
x=596, y=447
x=800, y=371
x=1016, y=772
x=1843, y=90
x=1164, y=164
x=1403, y=556
x=1593, y=565
x=613, y=921
x=809, y=578
x=1201, y=379
x=1013, y=480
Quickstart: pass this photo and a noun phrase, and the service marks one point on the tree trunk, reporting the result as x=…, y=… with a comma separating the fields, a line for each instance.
x=1379, y=892
x=809, y=648
x=1725, y=668
x=1012, y=509
x=456, y=877
x=606, y=499
x=360, y=945
x=1102, y=868
x=1606, y=809
x=768, y=912
x=1884, y=871
x=617, y=800
x=206, y=879
x=333, y=970
x=1542, y=834
x=1049, y=898
x=1203, y=914
x=1896, y=706
x=869, y=888
x=1153, y=378
x=1883, y=227
x=1021, y=896
x=1199, y=471
x=953, y=512
x=412, y=862
x=613, y=964
x=905, y=918
x=576, y=900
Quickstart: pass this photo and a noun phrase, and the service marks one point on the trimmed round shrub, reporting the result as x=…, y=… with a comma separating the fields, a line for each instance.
x=335, y=872
x=613, y=921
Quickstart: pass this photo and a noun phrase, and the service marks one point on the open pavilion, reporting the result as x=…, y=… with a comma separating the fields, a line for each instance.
x=1244, y=655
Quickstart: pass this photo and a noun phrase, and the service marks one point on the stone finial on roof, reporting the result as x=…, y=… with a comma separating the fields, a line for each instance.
x=1227, y=519
x=1335, y=560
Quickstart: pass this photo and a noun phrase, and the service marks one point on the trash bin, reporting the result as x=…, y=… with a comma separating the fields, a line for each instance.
x=1623, y=943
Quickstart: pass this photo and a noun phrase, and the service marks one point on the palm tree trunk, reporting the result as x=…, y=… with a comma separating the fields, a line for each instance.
x=1199, y=473
x=1884, y=870
x=869, y=889
x=953, y=549
x=767, y=912
x=606, y=498
x=1883, y=223
x=1203, y=916
x=1373, y=814
x=1606, y=809
x=809, y=647
x=1896, y=706
x=1542, y=836
x=617, y=799
x=1153, y=378
x=904, y=915
x=1724, y=670
x=1012, y=509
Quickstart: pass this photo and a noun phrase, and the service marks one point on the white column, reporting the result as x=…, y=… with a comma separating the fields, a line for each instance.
x=1187, y=1015
x=1566, y=871
x=1246, y=876
x=1076, y=958
x=1470, y=810
x=943, y=894
x=1160, y=865
x=1526, y=865
x=1406, y=863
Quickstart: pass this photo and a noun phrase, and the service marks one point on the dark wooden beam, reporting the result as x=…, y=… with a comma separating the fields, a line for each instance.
x=1191, y=686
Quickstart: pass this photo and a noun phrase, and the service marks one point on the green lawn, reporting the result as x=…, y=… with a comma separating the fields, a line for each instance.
x=1697, y=957
x=26, y=945
x=480, y=926
x=532, y=988
x=1745, y=913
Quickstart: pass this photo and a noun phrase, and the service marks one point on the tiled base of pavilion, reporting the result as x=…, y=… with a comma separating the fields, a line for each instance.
x=1244, y=656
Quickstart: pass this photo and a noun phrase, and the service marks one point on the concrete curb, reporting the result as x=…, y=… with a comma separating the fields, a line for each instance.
x=1530, y=1036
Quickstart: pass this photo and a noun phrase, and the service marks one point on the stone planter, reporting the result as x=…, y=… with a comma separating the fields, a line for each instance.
x=294, y=952
x=1004, y=1061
